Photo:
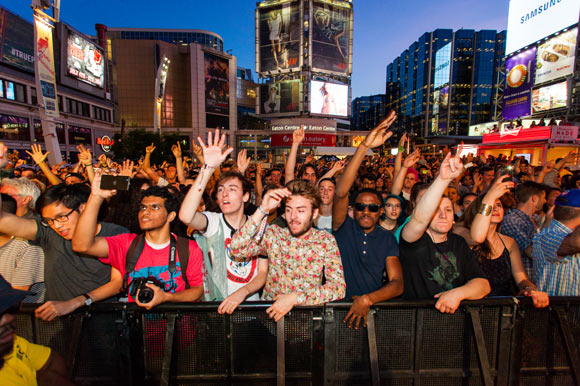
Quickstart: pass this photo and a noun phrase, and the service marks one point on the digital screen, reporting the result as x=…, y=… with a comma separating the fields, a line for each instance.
x=280, y=97
x=442, y=66
x=328, y=98
x=555, y=57
x=550, y=97
x=533, y=20
x=17, y=41
x=9, y=90
x=279, y=37
x=519, y=70
x=85, y=61
x=331, y=37
x=217, y=84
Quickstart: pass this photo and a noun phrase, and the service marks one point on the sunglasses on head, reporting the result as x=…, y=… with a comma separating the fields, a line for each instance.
x=374, y=208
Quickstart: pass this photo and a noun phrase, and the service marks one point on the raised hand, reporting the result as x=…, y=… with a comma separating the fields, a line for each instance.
x=273, y=198
x=548, y=167
x=176, y=150
x=149, y=149
x=37, y=155
x=498, y=189
x=452, y=167
x=213, y=152
x=3, y=154
x=85, y=155
x=127, y=168
x=298, y=136
x=309, y=158
x=380, y=133
x=96, y=187
x=243, y=161
x=412, y=159
x=339, y=165
x=477, y=180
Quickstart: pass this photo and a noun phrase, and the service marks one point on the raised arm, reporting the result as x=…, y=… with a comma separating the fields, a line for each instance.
x=243, y=161
x=40, y=159
x=297, y=138
x=427, y=206
x=150, y=173
x=480, y=226
x=84, y=239
x=176, y=150
x=400, y=176
x=401, y=150
x=86, y=159
x=213, y=155
x=337, y=167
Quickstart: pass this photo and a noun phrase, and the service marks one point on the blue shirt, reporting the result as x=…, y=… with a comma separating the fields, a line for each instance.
x=554, y=275
x=364, y=256
x=519, y=226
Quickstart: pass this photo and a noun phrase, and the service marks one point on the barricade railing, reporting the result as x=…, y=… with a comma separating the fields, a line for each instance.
x=500, y=341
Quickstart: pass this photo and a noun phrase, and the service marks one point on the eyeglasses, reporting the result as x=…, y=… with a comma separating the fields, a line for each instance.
x=62, y=218
x=373, y=208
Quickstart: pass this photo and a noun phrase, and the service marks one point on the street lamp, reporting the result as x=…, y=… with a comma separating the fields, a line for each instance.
x=160, y=81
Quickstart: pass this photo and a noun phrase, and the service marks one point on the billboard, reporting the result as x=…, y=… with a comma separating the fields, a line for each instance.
x=532, y=20
x=331, y=37
x=279, y=37
x=280, y=97
x=482, y=128
x=328, y=98
x=17, y=41
x=555, y=57
x=550, y=97
x=519, y=80
x=217, y=84
x=85, y=61
x=442, y=66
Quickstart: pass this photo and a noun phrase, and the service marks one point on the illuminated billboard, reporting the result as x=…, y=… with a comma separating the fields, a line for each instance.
x=279, y=37
x=519, y=80
x=217, y=85
x=85, y=61
x=442, y=66
x=555, y=57
x=532, y=20
x=280, y=97
x=17, y=41
x=328, y=98
x=550, y=97
x=331, y=37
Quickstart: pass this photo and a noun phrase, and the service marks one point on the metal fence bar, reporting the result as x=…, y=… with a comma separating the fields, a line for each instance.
x=481, y=349
x=373, y=352
x=507, y=322
x=73, y=351
x=571, y=350
x=330, y=346
x=168, y=349
x=280, y=353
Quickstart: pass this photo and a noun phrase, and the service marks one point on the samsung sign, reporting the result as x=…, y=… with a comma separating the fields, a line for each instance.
x=533, y=20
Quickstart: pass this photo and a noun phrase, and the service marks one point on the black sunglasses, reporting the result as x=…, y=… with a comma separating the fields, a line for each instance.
x=373, y=208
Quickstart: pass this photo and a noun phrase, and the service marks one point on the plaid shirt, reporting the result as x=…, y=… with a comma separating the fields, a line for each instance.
x=519, y=226
x=554, y=275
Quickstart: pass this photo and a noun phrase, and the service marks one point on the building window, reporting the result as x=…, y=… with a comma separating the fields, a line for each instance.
x=78, y=108
x=14, y=128
x=13, y=91
x=79, y=136
x=101, y=114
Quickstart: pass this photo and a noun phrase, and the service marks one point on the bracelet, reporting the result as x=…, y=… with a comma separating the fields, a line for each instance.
x=262, y=210
x=401, y=148
x=206, y=166
x=88, y=164
x=485, y=209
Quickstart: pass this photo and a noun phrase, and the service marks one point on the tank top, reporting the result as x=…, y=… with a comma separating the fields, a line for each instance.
x=498, y=272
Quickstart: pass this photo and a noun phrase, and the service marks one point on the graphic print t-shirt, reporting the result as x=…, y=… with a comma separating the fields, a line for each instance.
x=154, y=261
x=240, y=272
x=430, y=268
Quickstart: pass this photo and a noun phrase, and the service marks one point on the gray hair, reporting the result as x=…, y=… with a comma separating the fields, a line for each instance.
x=25, y=187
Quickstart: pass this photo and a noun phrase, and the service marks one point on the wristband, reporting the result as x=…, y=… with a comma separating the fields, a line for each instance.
x=88, y=164
x=262, y=210
x=485, y=209
x=401, y=149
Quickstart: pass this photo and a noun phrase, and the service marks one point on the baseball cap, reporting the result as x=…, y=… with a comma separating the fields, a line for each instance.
x=9, y=296
x=569, y=198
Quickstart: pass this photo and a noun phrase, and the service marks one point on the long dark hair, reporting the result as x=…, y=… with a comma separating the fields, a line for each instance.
x=484, y=249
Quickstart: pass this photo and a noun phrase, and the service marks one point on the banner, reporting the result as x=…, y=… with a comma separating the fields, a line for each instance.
x=519, y=80
x=217, y=85
x=331, y=35
x=310, y=139
x=555, y=57
x=44, y=67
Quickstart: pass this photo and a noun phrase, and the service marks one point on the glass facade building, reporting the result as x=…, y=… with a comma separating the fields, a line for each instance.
x=446, y=81
x=367, y=112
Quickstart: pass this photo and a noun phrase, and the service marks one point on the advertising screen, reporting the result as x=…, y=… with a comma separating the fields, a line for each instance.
x=279, y=38
x=217, y=85
x=532, y=20
x=550, y=97
x=555, y=57
x=85, y=61
x=328, y=98
x=280, y=97
x=330, y=37
x=519, y=80
x=17, y=41
x=442, y=66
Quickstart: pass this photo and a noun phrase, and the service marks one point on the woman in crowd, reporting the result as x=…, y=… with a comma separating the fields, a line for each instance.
x=394, y=213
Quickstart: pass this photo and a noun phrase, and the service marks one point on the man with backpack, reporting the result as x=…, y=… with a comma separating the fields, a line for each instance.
x=156, y=266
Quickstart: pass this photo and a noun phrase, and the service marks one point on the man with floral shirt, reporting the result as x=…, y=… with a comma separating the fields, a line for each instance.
x=299, y=256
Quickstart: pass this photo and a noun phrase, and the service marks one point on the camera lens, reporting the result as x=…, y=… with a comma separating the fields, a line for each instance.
x=145, y=295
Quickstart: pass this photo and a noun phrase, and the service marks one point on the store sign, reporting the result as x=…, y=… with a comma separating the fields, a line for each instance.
x=564, y=133
x=310, y=139
x=323, y=125
x=106, y=143
x=518, y=134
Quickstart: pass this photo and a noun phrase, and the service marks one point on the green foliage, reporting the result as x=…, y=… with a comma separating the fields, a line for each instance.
x=132, y=146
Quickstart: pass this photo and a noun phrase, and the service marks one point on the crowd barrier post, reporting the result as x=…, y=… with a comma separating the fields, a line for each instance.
x=568, y=338
x=484, y=366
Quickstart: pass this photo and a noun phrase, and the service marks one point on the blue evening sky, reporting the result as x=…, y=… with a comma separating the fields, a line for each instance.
x=382, y=28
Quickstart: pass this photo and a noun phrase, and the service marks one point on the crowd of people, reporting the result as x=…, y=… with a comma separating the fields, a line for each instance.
x=366, y=229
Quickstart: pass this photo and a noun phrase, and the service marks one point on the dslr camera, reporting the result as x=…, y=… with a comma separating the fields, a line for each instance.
x=145, y=293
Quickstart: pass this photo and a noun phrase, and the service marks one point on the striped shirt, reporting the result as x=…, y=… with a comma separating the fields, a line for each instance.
x=554, y=275
x=22, y=264
x=519, y=226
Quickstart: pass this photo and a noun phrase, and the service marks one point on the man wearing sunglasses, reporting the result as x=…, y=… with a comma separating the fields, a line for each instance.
x=366, y=249
x=72, y=280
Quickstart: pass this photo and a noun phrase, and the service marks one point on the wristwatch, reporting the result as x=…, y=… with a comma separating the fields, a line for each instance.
x=88, y=300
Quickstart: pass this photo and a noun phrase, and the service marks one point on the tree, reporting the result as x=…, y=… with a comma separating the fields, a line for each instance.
x=132, y=146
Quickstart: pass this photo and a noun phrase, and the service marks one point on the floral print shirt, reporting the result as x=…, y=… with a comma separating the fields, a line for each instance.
x=296, y=265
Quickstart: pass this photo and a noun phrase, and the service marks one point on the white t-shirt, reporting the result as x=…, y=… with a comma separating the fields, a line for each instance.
x=240, y=273
x=324, y=223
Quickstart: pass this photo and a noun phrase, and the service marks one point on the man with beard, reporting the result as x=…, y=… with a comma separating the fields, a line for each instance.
x=437, y=263
x=367, y=250
x=223, y=276
x=299, y=256
x=158, y=254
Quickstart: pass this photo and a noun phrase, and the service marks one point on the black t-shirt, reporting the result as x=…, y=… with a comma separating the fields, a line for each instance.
x=430, y=268
x=68, y=274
